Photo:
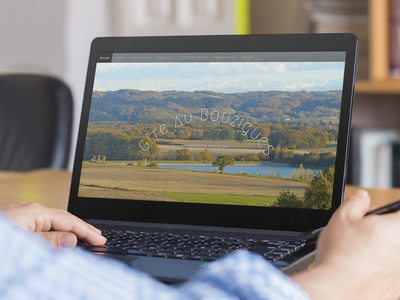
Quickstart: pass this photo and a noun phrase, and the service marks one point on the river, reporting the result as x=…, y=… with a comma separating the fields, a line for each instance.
x=262, y=169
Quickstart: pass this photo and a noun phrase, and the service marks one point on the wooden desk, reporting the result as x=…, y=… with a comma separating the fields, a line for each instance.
x=47, y=187
x=51, y=188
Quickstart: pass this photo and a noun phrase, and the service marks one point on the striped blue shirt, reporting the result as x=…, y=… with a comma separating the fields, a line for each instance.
x=31, y=269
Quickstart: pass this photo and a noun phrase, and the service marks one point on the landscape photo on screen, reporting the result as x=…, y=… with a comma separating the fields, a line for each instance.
x=253, y=133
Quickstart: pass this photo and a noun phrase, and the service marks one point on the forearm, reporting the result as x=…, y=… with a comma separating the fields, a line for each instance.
x=37, y=271
x=31, y=269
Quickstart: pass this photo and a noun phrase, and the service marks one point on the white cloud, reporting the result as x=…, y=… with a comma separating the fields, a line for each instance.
x=292, y=86
x=222, y=84
x=313, y=84
x=281, y=68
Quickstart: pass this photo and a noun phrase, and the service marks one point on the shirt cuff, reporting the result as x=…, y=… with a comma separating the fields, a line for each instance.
x=247, y=276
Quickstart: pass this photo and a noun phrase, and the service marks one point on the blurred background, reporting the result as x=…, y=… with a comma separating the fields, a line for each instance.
x=53, y=38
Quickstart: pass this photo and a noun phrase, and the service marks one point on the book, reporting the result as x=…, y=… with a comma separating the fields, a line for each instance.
x=396, y=165
x=383, y=166
x=375, y=154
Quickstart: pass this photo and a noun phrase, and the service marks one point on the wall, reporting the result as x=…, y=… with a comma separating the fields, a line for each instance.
x=283, y=16
x=52, y=37
x=32, y=36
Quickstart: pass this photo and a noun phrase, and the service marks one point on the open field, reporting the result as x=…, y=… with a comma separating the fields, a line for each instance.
x=127, y=182
x=303, y=151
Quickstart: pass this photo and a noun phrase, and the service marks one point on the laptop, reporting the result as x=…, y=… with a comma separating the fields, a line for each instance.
x=193, y=147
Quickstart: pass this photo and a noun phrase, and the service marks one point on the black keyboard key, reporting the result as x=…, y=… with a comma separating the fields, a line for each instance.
x=227, y=243
x=225, y=247
x=178, y=255
x=242, y=243
x=197, y=257
x=152, y=248
x=114, y=246
x=136, y=247
x=207, y=253
x=203, y=237
x=279, y=244
x=301, y=244
x=213, y=240
x=261, y=244
x=174, y=244
x=162, y=254
x=272, y=258
x=219, y=254
x=288, y=250
x=152, y=244
x=205, y=248
x=187, y=247
x=262, y=250
x=281, y=254
x=172, y=249
x=208, y=244
x=189, y=252
x=224, y=251
x=243, y=247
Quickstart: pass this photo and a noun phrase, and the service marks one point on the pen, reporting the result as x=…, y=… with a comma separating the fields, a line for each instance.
x=313, y=237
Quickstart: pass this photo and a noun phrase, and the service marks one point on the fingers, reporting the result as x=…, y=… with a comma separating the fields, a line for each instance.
x=63, y=212
x=63, y=221
x=66, y=222
x=357, y=205
x=38, y=218
x=65, y=240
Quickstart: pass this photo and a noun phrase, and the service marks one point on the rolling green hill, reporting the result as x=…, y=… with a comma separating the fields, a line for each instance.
x=272, y=106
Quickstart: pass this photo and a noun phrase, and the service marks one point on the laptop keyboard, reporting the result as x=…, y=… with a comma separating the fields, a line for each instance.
x=175, y=246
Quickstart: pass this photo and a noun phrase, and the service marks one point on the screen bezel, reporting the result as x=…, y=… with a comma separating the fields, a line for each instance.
x=217, y=214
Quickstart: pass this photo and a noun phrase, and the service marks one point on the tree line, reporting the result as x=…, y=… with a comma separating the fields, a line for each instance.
x=275, y=106
x=317, y=195
x=284, y=136
x=117, y=147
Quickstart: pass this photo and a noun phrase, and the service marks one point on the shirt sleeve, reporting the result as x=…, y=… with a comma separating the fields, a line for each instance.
x=32, y=269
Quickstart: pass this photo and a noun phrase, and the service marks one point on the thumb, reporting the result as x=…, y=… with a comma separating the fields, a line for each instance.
x=357, y=205
x=60, y=239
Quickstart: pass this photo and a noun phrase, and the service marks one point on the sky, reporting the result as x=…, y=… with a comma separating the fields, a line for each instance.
x=225, y=77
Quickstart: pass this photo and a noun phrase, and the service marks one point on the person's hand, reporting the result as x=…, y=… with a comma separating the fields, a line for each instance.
x=57, y=226
x=357, y=257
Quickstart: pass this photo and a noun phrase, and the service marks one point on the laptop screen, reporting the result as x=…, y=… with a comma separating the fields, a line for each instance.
x=233, y=128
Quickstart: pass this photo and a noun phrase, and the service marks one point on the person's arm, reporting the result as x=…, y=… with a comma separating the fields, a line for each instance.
x=59, y=227
x=357, y=257
x=31, y=269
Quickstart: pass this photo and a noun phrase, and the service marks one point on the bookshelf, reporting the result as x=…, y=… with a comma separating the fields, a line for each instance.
x=380, y=81
x=381, y=87
x=377, y=95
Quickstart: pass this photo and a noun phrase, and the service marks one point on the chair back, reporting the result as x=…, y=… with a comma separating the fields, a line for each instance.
x=35, y=122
